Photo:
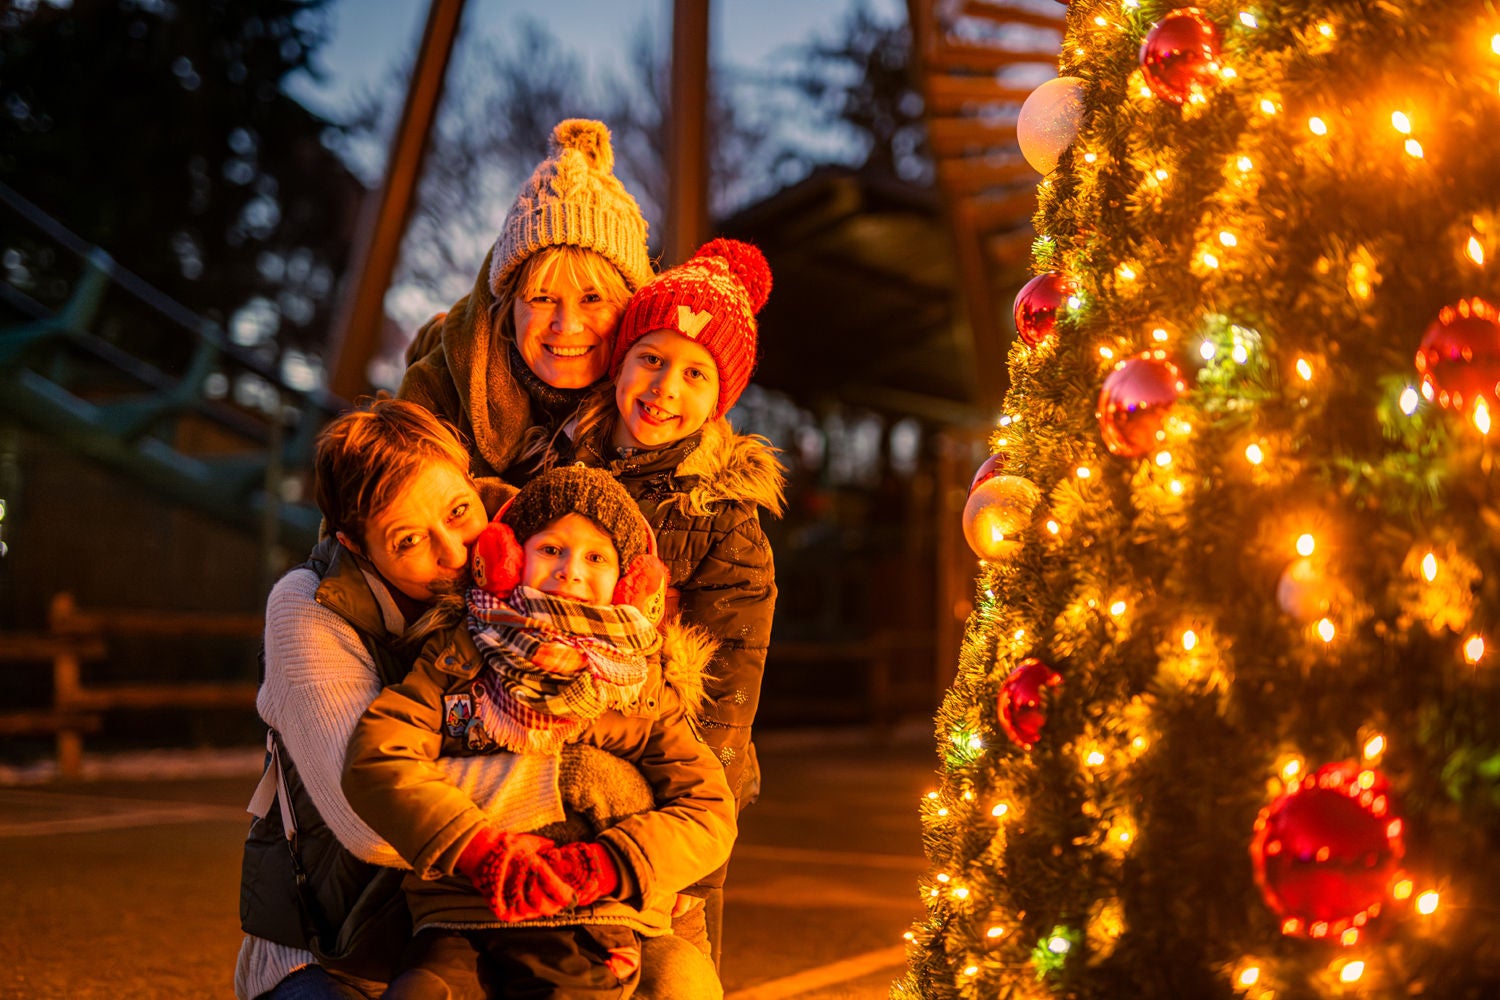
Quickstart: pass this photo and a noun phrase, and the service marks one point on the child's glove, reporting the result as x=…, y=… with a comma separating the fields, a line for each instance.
x=512, y=874
x=587, y=867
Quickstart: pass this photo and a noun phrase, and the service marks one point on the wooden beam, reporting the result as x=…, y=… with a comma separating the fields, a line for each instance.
x=687, y=209
x=950, y=137
x=948, y=57
x=949, y=94
x=1001, y=13
x=361, y=314
x=967, y=175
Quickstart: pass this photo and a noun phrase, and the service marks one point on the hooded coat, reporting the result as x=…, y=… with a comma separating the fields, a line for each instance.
x=678, y=830
x=702, y=496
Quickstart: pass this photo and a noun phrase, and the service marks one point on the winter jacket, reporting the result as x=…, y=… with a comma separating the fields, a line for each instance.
x=391, y=778
x=702, y=496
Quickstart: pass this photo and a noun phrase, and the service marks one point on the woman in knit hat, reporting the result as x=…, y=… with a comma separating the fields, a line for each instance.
x=684, y=353
x=512, y=359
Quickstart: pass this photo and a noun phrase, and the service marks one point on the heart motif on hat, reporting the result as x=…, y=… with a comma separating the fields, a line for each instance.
x=690, y=323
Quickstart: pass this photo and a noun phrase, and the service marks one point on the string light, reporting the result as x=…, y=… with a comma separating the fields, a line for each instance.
x=1083, y=472
x=1106, y=354
x=1325, y=629
x=1245, y=164
x=1306, y=545
x=995, y=932
x=1228, y=239
x=1000, y=810
x=1053, y=527
x=1482, y=416
x=1429, y=567
x=1268, y=106
x=1125, y=272
x=1175, y=487
x=1117, y=609
x=1414, y=149
x=972, y=970
x=1249, y=976
x=1352, y=972
x=1374, y=747
x=1094, y=758
x=1304, y=369
x=1474, y=649
x=1159, y=335
x=1427, y=903
x=1248, y=20
x=1254, y=454
x=1475, y=251
x=1402, y=889
x=1290, y=768
x=1400, y=122
x=1189, y=640
x=1409, y=401
x=1164, y=458
x=1207, y=350
x=1317, y=126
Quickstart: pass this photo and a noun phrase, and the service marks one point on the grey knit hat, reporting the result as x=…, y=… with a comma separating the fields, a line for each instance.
x=574, y=199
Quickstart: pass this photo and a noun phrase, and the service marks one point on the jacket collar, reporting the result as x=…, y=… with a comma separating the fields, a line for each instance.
x=355, y=592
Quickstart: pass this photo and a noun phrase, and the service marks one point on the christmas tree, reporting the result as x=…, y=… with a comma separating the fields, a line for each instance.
x=1224, y=723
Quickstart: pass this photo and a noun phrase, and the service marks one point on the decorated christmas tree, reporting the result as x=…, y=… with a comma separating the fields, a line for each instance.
x=1224, y=722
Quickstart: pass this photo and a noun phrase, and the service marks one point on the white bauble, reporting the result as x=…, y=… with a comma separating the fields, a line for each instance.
x=1049, y=122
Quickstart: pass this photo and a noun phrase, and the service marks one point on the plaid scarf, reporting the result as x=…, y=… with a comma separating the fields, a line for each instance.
x=553, y=665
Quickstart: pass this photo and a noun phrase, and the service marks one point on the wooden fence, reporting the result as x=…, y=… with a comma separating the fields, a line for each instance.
x=75, y=635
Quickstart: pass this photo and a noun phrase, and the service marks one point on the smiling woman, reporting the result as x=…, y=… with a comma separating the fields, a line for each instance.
x=510, y=361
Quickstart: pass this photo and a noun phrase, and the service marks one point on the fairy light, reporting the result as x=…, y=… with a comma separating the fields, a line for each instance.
x=1100, y=21
x=1245, y=164
x=1019, y=634
x=944, y=877
x=1325, y=630
x=1495, y=44
x=1325, y=29
x=1053, y=527
x=1427, y=903
x=1475, y=250
x=1160, y=174
x=1175, y=487
x=1117, y=609
x=1350, y=937
x=1094, y=758
x=1207, y=350
x=1249, y=976
x=1290, y=769
x=972, y=970
x=1164, y=458
x=1306, y=545
x=1317, y=126
x=1304, y=370
x=1474, y=649
x=1429, y=567
x=1414, y=149
x=1074, y=302
x=1210, y=261
x=1409, y=401
x=1240, y=353
x=1083, y=472
x=1228, y=239
x=1400, y=122
x=1402, y=890
x=1254, y=454
x=933, y=796
x=1159, y=335
x=1352, y=972
x=1059, y=945
x=1189, y=640
x=1090, y=157
x=1125, y=273
x=1248, y=20
x=1268, y=106
x=1482, y=416
x=1106, y=354
x=1000, y=810
x=1374, y=747
x=961, y=893
x=995, y=933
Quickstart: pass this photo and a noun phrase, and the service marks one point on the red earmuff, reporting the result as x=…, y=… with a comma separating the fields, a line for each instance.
x=497, y=558
x=643, y=585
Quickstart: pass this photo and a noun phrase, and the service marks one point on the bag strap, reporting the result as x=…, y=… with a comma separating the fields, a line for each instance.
x=273, y=781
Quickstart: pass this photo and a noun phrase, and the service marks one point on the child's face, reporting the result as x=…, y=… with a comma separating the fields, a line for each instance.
x=572, y=558
x=667, y=387
x=565, y=327
x=420, y=540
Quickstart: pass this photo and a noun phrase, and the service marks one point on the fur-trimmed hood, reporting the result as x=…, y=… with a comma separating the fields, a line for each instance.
x=730, y=466
x=686, y=651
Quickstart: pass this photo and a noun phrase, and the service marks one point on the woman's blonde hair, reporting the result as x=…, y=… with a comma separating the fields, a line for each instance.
x=366, y=456
x=584, y=267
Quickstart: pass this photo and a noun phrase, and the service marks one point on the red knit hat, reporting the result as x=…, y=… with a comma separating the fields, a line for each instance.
x=712, y=299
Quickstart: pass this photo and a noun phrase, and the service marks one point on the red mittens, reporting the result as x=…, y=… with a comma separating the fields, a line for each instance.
x=587, y=867
x=512, y=873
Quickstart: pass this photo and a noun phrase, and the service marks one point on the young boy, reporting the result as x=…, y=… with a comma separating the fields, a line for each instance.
x=557, y=649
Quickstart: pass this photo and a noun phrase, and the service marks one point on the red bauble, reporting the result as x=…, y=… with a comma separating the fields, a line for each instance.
x=1180, y=55
x=1326, y=853
x=1020, y=706
x=1037, y=305
x=1134, y=402
x=1460, y=356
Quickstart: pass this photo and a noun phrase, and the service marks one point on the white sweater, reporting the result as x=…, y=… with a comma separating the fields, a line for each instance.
x=319, y=681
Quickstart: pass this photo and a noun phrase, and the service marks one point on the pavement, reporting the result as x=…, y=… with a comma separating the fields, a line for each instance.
x=126, y=886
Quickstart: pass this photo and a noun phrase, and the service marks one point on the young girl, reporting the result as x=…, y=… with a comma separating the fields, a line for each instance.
x=684, y=353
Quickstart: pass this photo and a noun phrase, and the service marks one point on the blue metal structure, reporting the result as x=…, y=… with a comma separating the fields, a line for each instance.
x=98, y=398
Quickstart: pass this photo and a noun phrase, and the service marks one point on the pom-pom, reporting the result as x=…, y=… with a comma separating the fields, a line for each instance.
x=746, y=263
x=588, y=137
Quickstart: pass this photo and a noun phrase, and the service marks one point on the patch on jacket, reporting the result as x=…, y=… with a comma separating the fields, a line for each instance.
x=458, y=711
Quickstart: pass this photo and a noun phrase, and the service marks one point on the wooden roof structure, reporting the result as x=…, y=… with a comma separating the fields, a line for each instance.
x=978, y=61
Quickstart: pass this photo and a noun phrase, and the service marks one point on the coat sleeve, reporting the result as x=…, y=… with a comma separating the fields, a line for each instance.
x=395, y=781
x=319, y=680
x=691, y=831
x=732, y=594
